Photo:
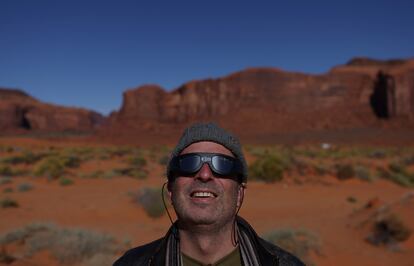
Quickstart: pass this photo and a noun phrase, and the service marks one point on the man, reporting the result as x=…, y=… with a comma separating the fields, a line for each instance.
x=207, y=174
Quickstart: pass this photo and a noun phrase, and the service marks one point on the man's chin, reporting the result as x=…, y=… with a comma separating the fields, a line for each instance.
x=200, y=220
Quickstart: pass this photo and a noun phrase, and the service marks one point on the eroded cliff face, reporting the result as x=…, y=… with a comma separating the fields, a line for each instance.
x=20, y=112
x=268, y=99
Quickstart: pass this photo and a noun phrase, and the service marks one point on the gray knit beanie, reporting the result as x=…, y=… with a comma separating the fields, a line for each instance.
x=210, y=132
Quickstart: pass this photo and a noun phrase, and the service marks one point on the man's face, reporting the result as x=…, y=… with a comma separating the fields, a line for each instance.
x=205, y=199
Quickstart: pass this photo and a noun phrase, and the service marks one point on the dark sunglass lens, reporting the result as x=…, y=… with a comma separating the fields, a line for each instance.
x=189, y=164
x=222, y=165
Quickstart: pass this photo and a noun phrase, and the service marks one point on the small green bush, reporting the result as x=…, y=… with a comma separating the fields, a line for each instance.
x=137, y=161
x=63, y=181
x=268, y=168
x=27, y=157
x=24, y=187
x=363, y=173
x=151, y=200
x=8, y=190
x=398, y=174
x=299, y=242
x=71, y=161
x=8, y=203
x=50, y=167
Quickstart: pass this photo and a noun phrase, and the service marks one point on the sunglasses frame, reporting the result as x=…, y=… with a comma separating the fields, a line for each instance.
x=205, y=157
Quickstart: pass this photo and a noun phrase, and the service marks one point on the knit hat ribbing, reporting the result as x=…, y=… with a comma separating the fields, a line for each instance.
x=210, y=132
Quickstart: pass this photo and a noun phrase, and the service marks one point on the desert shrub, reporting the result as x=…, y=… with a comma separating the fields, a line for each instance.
x=389, y=230
x=118, y=151
x=299, y=242
x=94, y=174
x=408, y=160
x=300, y=165
x=137, y=161
x=363, y=173
x=131, y=172
x=138, y=173
x=8, y=190
x=6, y=170
x=51, y=167
x=268, y=168
x=5, y=180
x=351, y=199
x=8, y=203
x=27, y=157
x=71, y=161
x=5, y=257
x=63, y=181
x=24, y=187
x=69, y=246
x=321, y=169
x=344, y=171
x=398, y=174
x=151, y=200
x=79, y=153
x=377, y=154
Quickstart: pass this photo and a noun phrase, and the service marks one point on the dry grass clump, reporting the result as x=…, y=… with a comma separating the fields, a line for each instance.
x=151, y=200
x=299, y=242
x=55, y=166
x=24, y=187
x=397, y=173
x=389, y=230
x=269, y=168
x=6, y=170
x=68, y=246
x=137, y=161
x=26, y=157
x=8, y=203
x=64, y=181
x=363, y=173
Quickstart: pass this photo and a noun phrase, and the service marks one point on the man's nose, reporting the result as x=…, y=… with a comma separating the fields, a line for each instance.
x=205, y=173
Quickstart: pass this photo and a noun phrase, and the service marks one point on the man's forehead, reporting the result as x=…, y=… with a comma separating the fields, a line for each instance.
x=207, y=146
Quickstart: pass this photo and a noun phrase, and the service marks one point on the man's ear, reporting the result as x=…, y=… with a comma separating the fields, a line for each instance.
x=169, y=191
x=240, y=194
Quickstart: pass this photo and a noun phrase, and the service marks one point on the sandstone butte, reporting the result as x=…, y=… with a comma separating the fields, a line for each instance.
x=21, y=113
x=258, y=102
x=263, y=101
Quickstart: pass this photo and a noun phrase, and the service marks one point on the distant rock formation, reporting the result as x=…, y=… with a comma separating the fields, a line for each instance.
x=364, y=92
x=19, y=113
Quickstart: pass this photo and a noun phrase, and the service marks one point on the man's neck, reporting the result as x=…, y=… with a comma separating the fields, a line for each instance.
x=207, y=243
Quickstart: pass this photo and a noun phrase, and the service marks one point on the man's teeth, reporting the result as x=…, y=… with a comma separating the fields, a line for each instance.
x=203, y=195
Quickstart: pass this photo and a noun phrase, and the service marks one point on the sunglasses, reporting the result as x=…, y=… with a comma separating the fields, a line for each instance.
x=221, y=165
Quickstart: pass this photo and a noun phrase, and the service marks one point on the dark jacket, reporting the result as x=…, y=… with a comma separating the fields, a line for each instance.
x=154, y=252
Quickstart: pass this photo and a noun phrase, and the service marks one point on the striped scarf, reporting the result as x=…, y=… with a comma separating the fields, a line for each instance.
x=247, y=249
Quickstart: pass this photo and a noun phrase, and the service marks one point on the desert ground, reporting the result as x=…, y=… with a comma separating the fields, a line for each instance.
x=71, y=202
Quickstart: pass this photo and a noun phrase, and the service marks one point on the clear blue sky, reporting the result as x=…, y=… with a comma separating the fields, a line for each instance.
x=86, y=53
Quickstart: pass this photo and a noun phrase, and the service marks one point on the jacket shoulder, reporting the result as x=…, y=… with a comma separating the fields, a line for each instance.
x=138, y=255
x=284, y=258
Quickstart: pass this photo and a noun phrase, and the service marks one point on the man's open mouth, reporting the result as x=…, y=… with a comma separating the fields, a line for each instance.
x=203, y=194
